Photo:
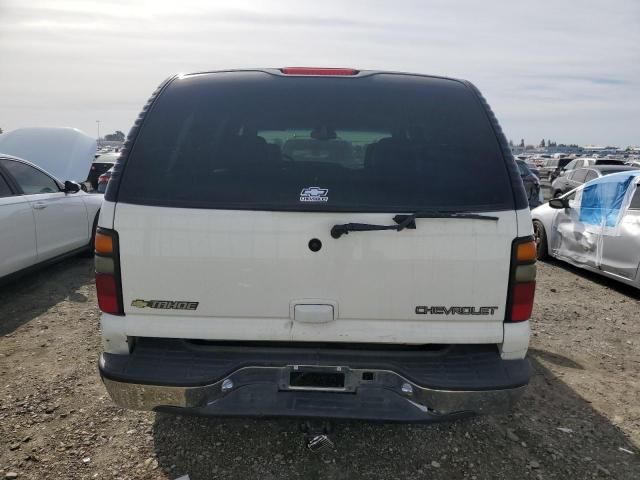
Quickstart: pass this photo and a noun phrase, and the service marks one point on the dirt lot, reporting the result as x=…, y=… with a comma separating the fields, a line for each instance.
x=580, y=418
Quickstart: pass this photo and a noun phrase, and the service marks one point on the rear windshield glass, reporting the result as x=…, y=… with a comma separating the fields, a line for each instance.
x=522, y=167
x=265, y=142
x=605, y=171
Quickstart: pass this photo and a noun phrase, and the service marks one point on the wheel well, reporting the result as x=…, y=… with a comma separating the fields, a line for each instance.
x=544, y=233
x=94, y=226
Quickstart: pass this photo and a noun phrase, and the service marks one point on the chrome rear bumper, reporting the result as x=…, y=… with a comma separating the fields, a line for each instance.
x=263, y=391
x=380, y=383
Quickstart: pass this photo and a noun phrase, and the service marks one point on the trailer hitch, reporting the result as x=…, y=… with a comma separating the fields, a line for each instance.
x=317, y=435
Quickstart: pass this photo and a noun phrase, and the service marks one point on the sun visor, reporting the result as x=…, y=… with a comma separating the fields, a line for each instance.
x=65, y=153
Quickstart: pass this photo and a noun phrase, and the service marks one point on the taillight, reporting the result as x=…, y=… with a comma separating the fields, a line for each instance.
x=342, y=72
x=522, y=280
x=107, y=293
x=107, y=267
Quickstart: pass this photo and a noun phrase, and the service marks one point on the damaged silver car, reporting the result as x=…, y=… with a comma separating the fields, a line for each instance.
x=595, y=226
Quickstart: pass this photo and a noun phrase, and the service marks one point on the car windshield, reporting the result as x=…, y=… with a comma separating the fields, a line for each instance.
x=259, y=141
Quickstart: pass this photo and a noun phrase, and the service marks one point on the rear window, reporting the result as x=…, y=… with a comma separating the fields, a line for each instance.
x=5, y=191
x=106, y=158
x=591, y=175
x=253, y=140
x=635, y=200
x=565, y=162
x=606, y=161
x=606, y=171
x=579, y=175
x=523, y=168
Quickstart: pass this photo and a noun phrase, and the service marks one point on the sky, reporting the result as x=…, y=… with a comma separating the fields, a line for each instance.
x=568, y=70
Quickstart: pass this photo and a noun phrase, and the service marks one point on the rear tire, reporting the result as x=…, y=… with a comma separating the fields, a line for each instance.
x=557, y=193
x=540, y=236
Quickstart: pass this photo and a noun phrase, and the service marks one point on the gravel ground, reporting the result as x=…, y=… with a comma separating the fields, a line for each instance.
x=580, y=418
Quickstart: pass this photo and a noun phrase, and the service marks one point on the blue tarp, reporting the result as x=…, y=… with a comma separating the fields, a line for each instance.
x=602, y=199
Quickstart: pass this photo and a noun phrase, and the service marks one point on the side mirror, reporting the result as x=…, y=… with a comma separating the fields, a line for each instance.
x=71, y=187
x=559, y=203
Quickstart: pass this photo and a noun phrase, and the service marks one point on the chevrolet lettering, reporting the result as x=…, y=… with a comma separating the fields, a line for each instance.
x=425, y=310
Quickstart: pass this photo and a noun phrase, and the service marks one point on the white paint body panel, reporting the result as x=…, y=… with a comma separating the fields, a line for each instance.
x=61, y=223
x=17, y=234
x=31, y=235
x=107, y=211
x=246, y=268
x=38, y=227
x=516, y=340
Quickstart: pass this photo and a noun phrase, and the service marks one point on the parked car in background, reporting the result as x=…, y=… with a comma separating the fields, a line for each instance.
x=546, y=167
x=531, y=165
x=297, y=249
x=574, y=178
x=552, y=166
x=531, y=184
x=537, y=161
x=44, y=215
x=587, y=162
x=100, y=165
x=595, y=227
x=103, y=180
x=572, y=165
x=534, y=169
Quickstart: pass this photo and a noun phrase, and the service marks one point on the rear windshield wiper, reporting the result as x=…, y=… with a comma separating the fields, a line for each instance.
x=404, y=221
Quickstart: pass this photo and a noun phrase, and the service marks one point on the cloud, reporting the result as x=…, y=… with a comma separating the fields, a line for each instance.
x=567, y=69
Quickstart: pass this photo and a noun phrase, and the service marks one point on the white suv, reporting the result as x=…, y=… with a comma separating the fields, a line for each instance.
x=316, y=243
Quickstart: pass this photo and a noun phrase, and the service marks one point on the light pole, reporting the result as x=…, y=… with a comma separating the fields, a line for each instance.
x=98, y=122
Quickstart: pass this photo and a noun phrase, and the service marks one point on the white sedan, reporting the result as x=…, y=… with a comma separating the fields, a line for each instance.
x=595, y=226
x=44, y=217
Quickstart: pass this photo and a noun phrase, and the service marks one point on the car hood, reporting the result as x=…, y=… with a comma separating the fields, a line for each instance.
x=65, y=153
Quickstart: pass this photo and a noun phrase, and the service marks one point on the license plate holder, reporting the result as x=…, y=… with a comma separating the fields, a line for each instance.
x=317, y=378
